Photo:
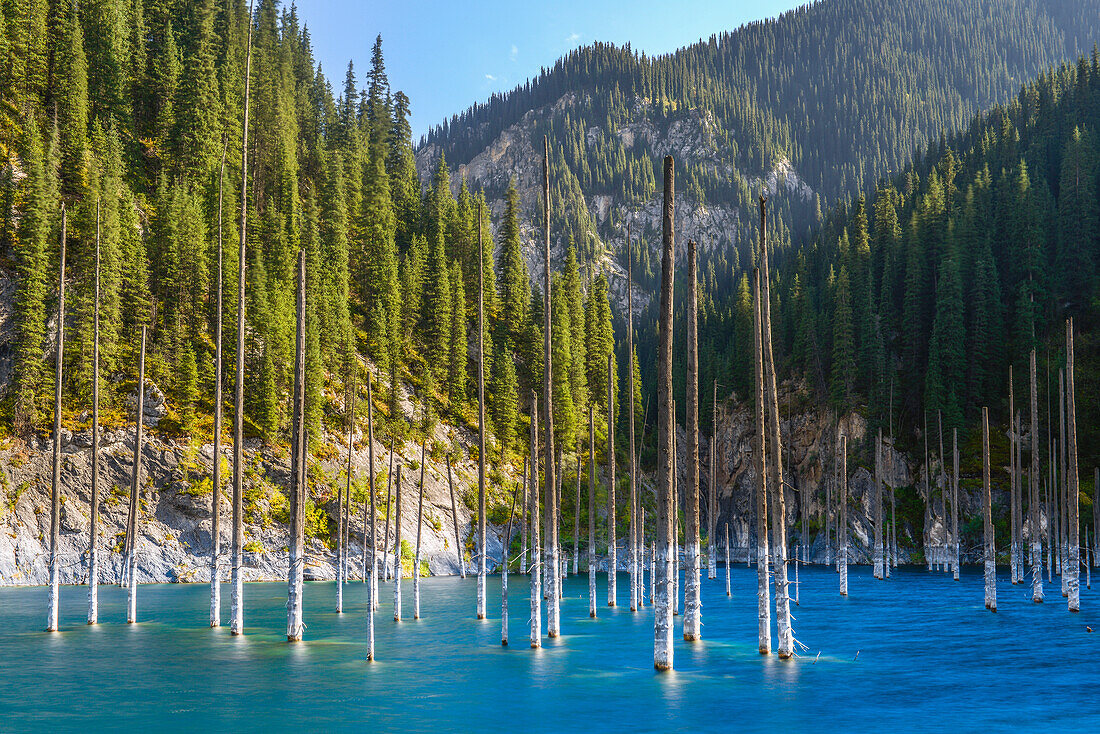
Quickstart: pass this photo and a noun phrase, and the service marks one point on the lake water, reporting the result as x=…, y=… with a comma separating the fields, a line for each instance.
x=915, y=653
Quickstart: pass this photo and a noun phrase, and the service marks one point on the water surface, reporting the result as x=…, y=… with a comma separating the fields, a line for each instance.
x=909, y=654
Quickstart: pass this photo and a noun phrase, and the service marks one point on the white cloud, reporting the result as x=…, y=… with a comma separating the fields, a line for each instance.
x=572, y=38
x=513, y=53
x=490, y=77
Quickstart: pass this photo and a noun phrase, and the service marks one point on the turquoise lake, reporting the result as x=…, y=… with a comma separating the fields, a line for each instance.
x=915, y=653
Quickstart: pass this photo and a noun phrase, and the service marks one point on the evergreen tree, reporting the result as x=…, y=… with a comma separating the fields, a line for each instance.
x=71, y=104
x=1077, y=220
x=843, y=344
x=457, y=348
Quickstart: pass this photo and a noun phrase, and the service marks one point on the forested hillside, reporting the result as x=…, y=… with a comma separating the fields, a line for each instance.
x=930, y=288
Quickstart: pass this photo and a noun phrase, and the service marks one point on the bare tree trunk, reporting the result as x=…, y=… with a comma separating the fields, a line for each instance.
x=843, y=539
x=55, y=490
x=1033, y=503
x=763, y=585
x=386, y=573
x=591, y=513
x=728, y=560
x=612, y=555
x=635, y=541
x=1014, y=569
x=829, y=479
x=943, y=490
x=216, y=495
x=878, y=506
x=419, y=525
x=692, y=574
x=1073, y=493
x=372, y=588
x=778, y=502
x=481, y=552
x=523, y=519
x=1059, y=487
x=552, y=612
x=1095, y=514
x=675, y=517
x=504, y=571
x=454, y=517
x=135, y=493
x=927, y=494
x=295, y=572
x=577, y=517
x=666, y=427
x=955, y=502
x=536, y=582
x=93, y=544
x=712, y=504
x=398, y=571
x=987, y=508
x=236, y=621
x=347, y=491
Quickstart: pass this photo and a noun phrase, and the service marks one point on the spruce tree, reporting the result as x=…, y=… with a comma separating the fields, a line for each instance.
x=1077, y=220
x=71, y=104
x=457, y=346
x=843, y=344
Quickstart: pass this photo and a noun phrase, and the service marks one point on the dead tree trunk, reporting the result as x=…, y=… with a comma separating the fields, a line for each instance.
x=55, y=489
x=552, y=612
x=612, y=541
x=398, y=571
x=1014, y=569
x=419, y=525
x=454, y=517
x=635, y=541
x=523, y=520
x=481, y=552
x=712, y=503
x=372, y=588
x=295, y=572
x=778, y=501
x=591, y=513
x=216, y=495
x=503, y=569
x=955, y=502
x=577, y=517
x=135, y=493
x=536, y=582
x=386, y=572
x=1033, y=502
x=666, y=425
x=987, y=509
x=1095, y=514
x=236, y=621
x=728, y=559
x=1060, y=488
x=843, y=527
x=93, y=544
x=692, y=602
x=1073, y=566
x=878, y=507
x=763, y=585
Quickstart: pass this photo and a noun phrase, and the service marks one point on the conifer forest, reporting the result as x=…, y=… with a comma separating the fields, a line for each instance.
x=667, y=341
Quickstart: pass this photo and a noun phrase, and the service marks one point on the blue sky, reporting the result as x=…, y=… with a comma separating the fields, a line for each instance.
x=447, y=55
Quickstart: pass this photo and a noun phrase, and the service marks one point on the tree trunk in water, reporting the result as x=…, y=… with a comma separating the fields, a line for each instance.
x=552, y=612
x=712, y=503
x=987, y=509
x=675, y=518
x=347, y=491
x=842, y=553
x=927, y=493
x=666, y=427
x=533, y=514
x=1033, y=502
x=419, y=524
x=829, y=480
x=774, y=445
x=878, y=507
x=635, y=540
x=372, y=588
x=135, y=492
x=1014, y=570
x=504, y=571
x=236, y=620
x=93, y=545
x=55, y=490
x=215, y=496
x=523, y=519
x=398, y=571
x=1060, y=487
x=692, y=575
x=577, y=517
x=591, y=513
x=955, y=502
x=295, y=572
x=763, y=586
x=389, y=508
x=454, y=517
x=481, y=552
x=728, y=559
x=1073, y=565
x=1095, y=514
x=612, y=556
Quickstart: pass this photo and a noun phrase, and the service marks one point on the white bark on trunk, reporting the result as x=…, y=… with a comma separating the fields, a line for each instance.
x=878, y=507
x=372, y=600
x=481, y=532
x=454, y=517
x=728, y=560
x=577, y=517
x=93, y=544
x=1034, y=506
x=843, y=523
x=552, y=568
x=591, y=513
x=692, y=575
x=1060, y=487
x=675, y=519
x=398, y=571
x=236, y=618
x=1073, y=493
x=712, y=503
x=215, y=495
x=763, y=582
x=612, y=556
x=296, y=546
x=135, y=492
x=507, y=544
x=419, y=525
x=523, y=520
x=533, y=515
x=634, y=539
x=1014, y=569
x=955, y=501
x=55, y=488
x=666, y=427
x=987, y=509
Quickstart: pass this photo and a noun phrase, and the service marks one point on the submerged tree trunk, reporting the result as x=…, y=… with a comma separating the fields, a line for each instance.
x=296, y=556
x=666, y=427
x=533, y=514
x=692, y=575
x=419, y=525
x=1073, y=565
x=877, y=553
x=675, y=518
x=1060, y=488
x=763, y=585
x=612, y=555
x=843, y=525
x=955, y=502
x=55, y=489
x=93, y=544
x=591, y=513
x=635, y=540
x=1033, y=503
x=236, y=621
x=1014, y=570
x=398, y=571
x=728, y=560
x=372, y=588
x=135, y=492
x=552, y=612
x=778, y=503
x=454, y=517
x=712, y=504
x=504, y=570
x=987, y=510
x=386, y=573
x=523, y=519
x=216, y=494
x=481, y=551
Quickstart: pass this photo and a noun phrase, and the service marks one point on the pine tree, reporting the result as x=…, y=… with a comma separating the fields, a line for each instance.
x=436, y=315
x=565, y=411
x=195, y=122
x=457, y=348
x=574, y=303
x=1077, y=220
x=946, y=349
x=71, y=104
x=514, y=283
x=843, y=344
x=600, y=342
x=504, y=398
